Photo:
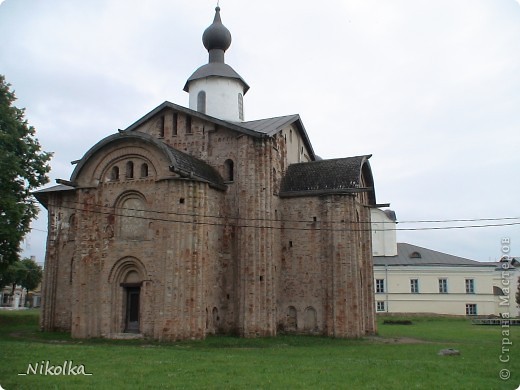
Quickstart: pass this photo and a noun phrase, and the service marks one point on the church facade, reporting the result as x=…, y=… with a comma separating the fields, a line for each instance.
x=193, y=221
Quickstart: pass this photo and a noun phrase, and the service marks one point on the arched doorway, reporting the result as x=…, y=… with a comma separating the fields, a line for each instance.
x=132, y=294
x=126, y=279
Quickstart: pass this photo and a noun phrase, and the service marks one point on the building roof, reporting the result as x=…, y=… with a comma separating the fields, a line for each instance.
x=181, y=163
x=189, y=166
x=270, y=126
x=342, y=175
x=216, y=39
x=215, y=69
x=258, y=128
x=43, y=195
x=413, y=255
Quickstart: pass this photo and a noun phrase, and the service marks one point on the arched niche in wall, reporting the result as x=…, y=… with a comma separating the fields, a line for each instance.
x=130, y=209
x=310, y=323
x=292, y=318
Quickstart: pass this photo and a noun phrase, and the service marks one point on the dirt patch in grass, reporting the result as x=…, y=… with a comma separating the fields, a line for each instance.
x=397, y=340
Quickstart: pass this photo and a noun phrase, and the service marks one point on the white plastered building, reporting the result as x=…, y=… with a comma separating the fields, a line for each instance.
x=412, y=279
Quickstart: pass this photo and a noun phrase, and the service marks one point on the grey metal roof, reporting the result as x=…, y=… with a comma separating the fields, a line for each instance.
x=56, y=188
x=390, y=214
x=270, y=126
x=43, y=195
x=406, y=257
x=215, y=69
x=342, y=175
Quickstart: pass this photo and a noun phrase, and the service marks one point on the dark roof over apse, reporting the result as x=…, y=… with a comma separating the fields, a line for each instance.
x=183, y=164
x=180, y=163
x=337, y=176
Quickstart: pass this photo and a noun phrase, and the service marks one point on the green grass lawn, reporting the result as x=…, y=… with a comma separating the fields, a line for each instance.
x=401, y=357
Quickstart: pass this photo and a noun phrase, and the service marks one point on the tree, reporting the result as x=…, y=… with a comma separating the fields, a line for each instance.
x=23, y=168
x=26, y=273
x=32, y=274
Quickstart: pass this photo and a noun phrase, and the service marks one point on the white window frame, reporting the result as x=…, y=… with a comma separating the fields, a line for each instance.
x=414, y=286
x=471, y=309
x=470, y=286
x=443, y=285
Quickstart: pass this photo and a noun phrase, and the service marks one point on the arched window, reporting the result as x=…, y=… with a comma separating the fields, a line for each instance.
x=114, y=173
x=240, y=107
x=201, y=102
x=129, y=170
x=144, y=170
x=229, y=170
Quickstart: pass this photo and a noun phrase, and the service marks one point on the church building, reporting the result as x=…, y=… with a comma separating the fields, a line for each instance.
x=194, y=221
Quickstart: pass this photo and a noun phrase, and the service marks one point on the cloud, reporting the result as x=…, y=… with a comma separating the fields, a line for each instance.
x=431, y=89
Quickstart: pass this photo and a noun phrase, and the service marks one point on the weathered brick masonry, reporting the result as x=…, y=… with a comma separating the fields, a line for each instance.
x=185, y=225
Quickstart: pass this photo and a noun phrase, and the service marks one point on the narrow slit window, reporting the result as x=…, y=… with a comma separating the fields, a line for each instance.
x=201, y=102
x=114, y=174
x=129, y=170
x=144, y=170
x=229, y=168
x=174, y=124
x=240, y=107
x=161, y=127
x=188, y=125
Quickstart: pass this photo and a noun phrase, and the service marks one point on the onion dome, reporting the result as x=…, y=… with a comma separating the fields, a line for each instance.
x=216, y=39
x=216, y=36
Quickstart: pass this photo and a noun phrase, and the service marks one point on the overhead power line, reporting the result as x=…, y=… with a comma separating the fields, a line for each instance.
x=226, y=217
x=316, y=225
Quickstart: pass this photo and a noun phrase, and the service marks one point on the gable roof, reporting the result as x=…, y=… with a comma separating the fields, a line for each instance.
x=407, y=256
x=335, y=176
x=261, y=128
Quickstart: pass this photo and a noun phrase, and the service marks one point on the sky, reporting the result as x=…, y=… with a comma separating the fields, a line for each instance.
x=430, y=88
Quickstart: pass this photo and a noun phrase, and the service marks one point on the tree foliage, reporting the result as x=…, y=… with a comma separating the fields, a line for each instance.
x=23, y=168
x=26, y=273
